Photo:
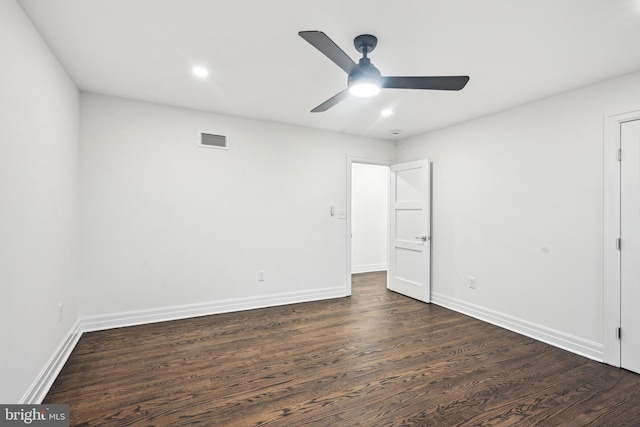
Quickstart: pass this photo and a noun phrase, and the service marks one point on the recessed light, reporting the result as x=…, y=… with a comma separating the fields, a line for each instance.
x=386, y=112
x=200, y=71
x=395, y=132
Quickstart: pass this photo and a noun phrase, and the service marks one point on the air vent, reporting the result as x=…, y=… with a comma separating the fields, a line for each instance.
x=210, y=140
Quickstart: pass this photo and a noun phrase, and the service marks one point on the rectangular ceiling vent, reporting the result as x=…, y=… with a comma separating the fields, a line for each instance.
x=210, y=140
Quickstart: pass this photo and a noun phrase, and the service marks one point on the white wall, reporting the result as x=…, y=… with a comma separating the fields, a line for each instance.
x=167, y=223
x=518, y=204
x=369, y=225
x=39, y=193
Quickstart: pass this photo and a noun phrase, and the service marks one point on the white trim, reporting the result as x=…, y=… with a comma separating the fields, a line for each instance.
x=164, y=314
x=350, y=161
x=369, y=268
x=43, y=382
x=577, y=345
x=611, y=233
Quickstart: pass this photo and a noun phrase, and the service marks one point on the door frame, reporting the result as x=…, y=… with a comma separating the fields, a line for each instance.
x=611, y=234
x=350, y=161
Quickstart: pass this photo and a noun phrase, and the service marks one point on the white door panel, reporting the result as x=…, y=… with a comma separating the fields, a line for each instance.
x=630, y=247
x=410, y=230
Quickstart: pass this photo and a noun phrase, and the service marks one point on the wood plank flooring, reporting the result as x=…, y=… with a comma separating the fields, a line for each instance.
x=374, y=359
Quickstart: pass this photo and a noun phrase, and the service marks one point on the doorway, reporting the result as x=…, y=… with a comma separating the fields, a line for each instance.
x=369, y=217
x=363, y=261
x=404, y=249
x=622, y=241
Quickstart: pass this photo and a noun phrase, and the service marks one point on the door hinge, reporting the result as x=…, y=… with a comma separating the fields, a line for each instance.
x=619, y=154
x=619, y=243
x=619, y=333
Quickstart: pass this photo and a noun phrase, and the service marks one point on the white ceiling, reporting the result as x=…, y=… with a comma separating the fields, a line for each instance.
x=515, y=51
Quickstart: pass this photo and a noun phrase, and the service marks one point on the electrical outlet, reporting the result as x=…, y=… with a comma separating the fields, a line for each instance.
x=60, y=312
x=261, y=276
x=472, y=282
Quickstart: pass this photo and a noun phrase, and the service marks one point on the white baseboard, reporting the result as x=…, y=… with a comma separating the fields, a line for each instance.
x=38, y=390
x=368, y=268
x=577, y=345
x=139, y=317
x=40, y=387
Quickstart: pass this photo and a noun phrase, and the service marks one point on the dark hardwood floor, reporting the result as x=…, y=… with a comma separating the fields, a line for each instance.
x=375, y=359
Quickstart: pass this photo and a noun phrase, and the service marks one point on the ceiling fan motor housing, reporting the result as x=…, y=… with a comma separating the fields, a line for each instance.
x=365, y=71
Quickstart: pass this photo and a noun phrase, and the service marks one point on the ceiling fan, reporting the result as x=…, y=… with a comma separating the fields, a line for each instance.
x=364, y=78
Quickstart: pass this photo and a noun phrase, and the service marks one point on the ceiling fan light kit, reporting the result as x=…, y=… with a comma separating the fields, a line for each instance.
x=364, y=79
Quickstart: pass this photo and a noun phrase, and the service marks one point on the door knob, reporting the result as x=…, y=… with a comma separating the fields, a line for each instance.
x=423, y=238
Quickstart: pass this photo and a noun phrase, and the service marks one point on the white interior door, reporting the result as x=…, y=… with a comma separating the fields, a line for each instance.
x=410, y=230
x=630, y=246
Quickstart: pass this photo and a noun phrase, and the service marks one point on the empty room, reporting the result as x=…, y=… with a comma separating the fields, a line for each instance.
x=329, y=213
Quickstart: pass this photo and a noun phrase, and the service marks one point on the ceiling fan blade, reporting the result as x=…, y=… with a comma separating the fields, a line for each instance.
x=434, y=83
x=331, y=101
x=324, y=44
